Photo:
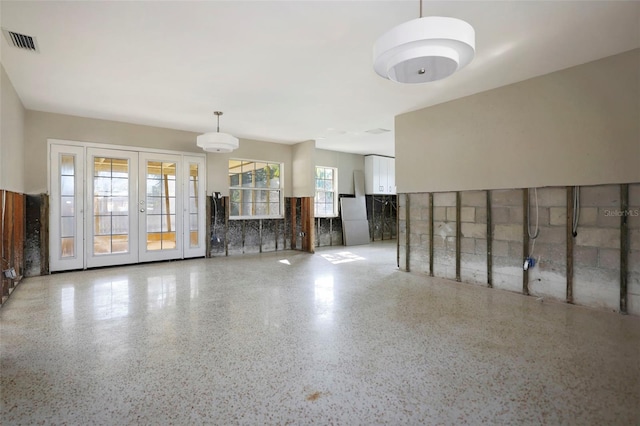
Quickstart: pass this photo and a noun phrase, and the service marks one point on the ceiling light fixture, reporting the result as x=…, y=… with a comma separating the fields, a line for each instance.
x=216, y=141
x=424, y=49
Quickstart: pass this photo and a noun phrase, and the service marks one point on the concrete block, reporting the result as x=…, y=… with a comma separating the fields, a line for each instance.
x=481, y=246
x=468, y=245
x=481, y=215
x=599, y=237
x=557, y=216
x=419, y=227
x=439, y=243
x=588, y=216
x=500, y=248
x=444, y=199
x=402, y=211
x=450, y=243
x=609, y=217
x=547, y=254
x=596, y=287
x=473, y=199
x=516, y=215
x=633, y=218
x=424, y=241
x=515, y=250
x=585, y=256
x=420, y=199
x=467, y=214
x=600, y=196
x=439, y=213
x=609, y=259
x=634, y=260
x=499, y=215
x=451, y=214
x=508, y=232
x=634, y=239
x=550, y=197
x=444, y=229
x=401, y=200
x=473, y=230
x=424, y=213
x=415, y=211
x=506, y=197
x=551, y=234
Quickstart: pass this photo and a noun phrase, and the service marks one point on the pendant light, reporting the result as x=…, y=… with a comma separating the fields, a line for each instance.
x=424, y=49
x=216, y=141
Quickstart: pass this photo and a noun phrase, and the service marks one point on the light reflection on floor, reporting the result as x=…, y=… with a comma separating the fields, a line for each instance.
x=342, y=257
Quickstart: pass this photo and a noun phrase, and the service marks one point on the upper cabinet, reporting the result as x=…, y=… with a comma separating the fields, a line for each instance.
x=379, y=175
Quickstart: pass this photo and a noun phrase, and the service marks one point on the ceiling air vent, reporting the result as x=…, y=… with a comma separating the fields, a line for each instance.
x=21, y=41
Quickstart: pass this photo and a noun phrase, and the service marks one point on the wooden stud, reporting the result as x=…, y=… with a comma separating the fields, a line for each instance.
x=570, y=241
x=624, y=247
x=226, y=225
x=294, y=234
x=458, y=236
x=489, y=242
x=19, y=231
x=525, y=239
x=407, y=248
x=208, y=227
x=431, y=234
x=44, y=234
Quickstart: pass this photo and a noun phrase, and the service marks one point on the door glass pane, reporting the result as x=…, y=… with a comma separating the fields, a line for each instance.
x=161, y=205
x=67, y=203
x=110, y=205
x=193, y=204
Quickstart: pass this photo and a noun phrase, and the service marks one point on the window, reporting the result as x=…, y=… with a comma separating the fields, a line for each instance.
x=255, y=189
x=326, y=201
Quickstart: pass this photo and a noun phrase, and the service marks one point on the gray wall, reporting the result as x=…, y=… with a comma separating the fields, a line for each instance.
x=12, y=167
x=579, y=126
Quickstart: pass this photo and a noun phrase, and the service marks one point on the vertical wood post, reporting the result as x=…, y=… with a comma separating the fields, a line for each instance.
x=431, y=234
x=458, y=236
x=525, y=239
x=407, y=249
x=624, y=246
x=570, y=241
x=489, y=242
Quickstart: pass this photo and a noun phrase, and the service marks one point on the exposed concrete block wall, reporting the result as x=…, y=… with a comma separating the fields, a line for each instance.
x=597, y=248
x=473, y=237
x=444, y=234
x=506, y=218
x=419, y=231
x=549, y=277
x=402, y=231
x=634, y=249
x=596, y=256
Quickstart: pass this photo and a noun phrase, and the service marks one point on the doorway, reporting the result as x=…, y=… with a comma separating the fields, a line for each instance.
x=118, y=206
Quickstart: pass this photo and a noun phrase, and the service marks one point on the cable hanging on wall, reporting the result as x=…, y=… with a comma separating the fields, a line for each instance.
x=576, y=211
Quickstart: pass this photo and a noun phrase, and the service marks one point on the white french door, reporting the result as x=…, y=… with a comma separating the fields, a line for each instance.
x=116, y=207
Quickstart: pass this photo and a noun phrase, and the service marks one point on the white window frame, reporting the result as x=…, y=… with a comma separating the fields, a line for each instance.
x=334, y=191
x=279, y=189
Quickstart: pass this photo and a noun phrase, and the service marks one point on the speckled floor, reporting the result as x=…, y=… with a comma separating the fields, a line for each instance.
x=339, y=337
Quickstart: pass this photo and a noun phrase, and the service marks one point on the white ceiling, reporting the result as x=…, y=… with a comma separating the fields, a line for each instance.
x=283, y=71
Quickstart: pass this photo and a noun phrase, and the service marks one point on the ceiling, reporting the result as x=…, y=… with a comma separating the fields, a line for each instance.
x=283, y=71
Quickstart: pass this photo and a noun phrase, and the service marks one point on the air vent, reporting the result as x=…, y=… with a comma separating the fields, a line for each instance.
x=377, y=131
x=21, y=41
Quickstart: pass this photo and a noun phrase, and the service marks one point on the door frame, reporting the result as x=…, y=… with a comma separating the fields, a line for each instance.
x=199, y=251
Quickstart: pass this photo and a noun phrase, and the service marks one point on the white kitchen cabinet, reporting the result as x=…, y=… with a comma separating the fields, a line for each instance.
x=379, y=175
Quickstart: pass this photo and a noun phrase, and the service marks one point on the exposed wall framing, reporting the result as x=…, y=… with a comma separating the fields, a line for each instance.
x=599, y=266
x=12, y=229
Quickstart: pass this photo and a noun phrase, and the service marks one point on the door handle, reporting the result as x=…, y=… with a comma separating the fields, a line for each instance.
x=142, y=210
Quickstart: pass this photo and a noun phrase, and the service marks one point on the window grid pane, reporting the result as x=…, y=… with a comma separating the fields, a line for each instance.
x=255, y=188
x=325, y=192
x=110, y=205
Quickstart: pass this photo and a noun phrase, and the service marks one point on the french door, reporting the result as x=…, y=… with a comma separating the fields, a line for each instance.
x=116, y=207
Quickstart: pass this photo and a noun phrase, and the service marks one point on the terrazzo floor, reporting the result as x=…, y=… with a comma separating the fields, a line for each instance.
x=339, y=337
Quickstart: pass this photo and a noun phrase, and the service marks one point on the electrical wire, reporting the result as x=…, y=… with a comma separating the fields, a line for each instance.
x=576, y=211
x=533, y=236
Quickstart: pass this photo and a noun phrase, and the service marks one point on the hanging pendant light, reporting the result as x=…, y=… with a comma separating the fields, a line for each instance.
x=424, y=49
x=216, y=141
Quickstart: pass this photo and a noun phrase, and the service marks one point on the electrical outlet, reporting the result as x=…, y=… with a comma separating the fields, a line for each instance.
x=10, y=273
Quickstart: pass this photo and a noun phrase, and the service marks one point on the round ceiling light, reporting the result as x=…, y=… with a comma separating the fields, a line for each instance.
x=424, y=49
x=216, y=141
